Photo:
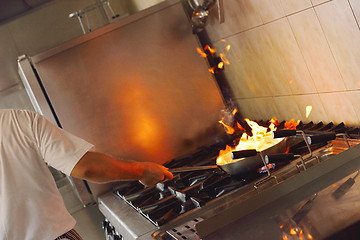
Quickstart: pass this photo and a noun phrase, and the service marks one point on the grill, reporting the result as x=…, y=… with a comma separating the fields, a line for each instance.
x=203, y=204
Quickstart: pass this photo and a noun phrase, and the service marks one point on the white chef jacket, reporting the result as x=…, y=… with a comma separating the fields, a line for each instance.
x=31, y=207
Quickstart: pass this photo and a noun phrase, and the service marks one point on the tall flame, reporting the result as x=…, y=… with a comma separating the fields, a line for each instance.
x=261, y=137
x=260, y=140
x=308, y=110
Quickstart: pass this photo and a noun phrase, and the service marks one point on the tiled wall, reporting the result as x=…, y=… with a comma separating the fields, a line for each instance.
x=138, y=5
x=287, y=54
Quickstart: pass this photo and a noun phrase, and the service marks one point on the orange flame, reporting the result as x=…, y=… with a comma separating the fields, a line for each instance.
x=224, y=155
x=291, y=124
x=228, y=129
x=201, y=52
x=259, y=132
x=274, y=121
x=210, y=49
x=260, y=140
x=293, y=231
x=239, y=126
x=284, y=237
x=220, y=65
x=301, y=235
x=224, y=59
x=212, y=70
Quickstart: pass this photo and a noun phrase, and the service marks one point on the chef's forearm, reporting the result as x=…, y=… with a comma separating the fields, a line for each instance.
x=100, y=168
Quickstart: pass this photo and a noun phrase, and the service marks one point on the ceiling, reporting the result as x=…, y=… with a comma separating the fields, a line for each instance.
x=10, y=9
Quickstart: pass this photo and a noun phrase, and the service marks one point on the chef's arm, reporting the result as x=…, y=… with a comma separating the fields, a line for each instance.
x=101, y=168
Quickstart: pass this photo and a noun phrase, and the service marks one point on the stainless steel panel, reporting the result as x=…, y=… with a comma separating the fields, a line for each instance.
x=34, y=91
x=130, y=225
x=137, y=89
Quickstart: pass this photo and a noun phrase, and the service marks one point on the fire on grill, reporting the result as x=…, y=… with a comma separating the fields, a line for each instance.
x=248, y=154
x=260, y=140
x=255, y=137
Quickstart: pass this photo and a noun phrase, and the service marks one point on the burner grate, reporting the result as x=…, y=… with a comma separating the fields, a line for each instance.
x=186, y=231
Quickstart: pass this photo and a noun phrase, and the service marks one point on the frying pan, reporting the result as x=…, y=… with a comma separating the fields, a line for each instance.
x=249, y=160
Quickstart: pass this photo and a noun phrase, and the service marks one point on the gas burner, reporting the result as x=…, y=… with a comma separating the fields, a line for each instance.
x=170, y=199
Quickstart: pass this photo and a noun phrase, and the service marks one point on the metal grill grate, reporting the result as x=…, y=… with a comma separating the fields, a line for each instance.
x=186, y=231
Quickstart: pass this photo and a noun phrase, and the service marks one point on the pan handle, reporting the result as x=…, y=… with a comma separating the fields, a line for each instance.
x=189, y=169
x=321, y=138
x=243, y=153
x=280, y=157
x=284, y=133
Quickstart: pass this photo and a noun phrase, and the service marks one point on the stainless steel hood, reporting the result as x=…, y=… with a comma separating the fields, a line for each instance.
x=136, y=88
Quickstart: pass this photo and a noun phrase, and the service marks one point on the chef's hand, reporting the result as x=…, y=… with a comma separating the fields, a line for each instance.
x=154, y=173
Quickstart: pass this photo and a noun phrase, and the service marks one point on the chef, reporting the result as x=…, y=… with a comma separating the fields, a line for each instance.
x=31, y=206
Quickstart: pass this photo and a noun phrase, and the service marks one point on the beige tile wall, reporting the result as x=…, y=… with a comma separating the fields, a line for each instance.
x=138, y=5
x=287, y=54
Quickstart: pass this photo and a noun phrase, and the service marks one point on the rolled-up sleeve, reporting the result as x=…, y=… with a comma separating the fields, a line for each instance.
x=59, y=148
